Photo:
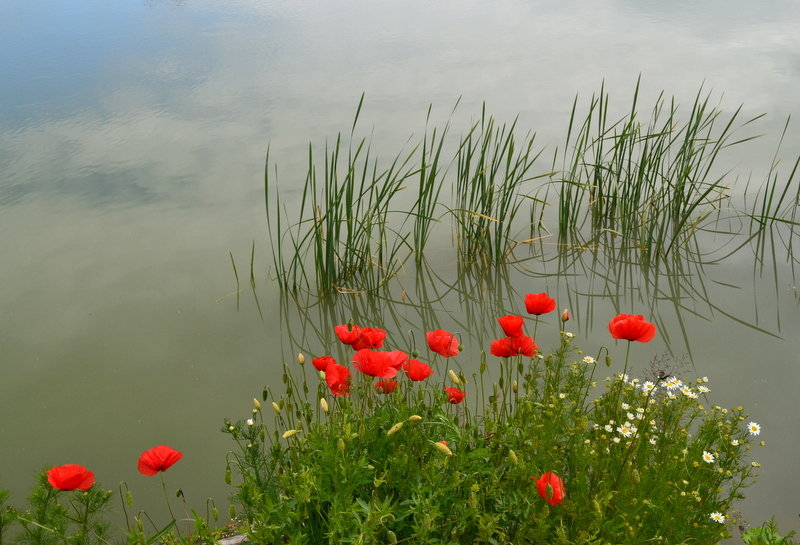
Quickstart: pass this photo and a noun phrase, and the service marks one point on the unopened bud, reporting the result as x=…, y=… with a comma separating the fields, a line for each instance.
x=454, y=377
x=515, y=386
x=443, y=448
x=301, y=359
x=395, y=428
x=256, y=404
x=565, y=315
x=276, y=407
x=323, y=404
x=340, y=444
x=232, y=511
x=414, y=418
x=289, y=433
x=513, y=457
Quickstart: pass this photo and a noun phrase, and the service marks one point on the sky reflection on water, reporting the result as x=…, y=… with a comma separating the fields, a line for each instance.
x=132, y=140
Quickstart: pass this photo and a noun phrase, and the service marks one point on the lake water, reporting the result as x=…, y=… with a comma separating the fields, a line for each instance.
x=132, y=143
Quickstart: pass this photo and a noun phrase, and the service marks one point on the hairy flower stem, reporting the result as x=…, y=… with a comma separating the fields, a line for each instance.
x=166, y=498
x=633, y=441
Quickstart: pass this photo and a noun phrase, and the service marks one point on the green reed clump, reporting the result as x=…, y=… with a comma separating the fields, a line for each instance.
x=641, y=461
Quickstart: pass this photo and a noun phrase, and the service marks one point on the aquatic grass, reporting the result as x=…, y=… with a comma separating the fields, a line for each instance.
x=648, y=184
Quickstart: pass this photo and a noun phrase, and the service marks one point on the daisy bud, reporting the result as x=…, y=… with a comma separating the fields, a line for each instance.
x=395, y=428
x=256, y=404
x=250, y=422
x=414, y=418
x=565, y=315
x=276, y=407
x=515, y=386
x=444, y=449
x=454, y=377
x=287, y=434
x=323, y=404
x=301, y=359
x=513, y=457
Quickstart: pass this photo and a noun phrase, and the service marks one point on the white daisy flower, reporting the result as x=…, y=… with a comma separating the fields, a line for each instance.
x=717, y=517
x=609, y=428
x=673, y=384
x=648, y=386
x=588, y=359
x=623, y=377
x=753, y=428
x=735, y=442
x=250, y=422
x=708, y=457
x=615, y=439
x=630, y=416
x=652, y=440
x=640, y=410
x=626, y=430
x=625, y=406
x=703, y=389
x=562, y=395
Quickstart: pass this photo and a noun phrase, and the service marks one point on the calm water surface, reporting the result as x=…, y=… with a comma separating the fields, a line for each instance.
x=132, y=140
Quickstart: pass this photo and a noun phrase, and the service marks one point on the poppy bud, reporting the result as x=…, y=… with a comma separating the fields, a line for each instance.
x=513, y=457
x=395, y=428
x=256, y=404
x=227, y=474
x=215, y=513
x=323, y=404
x=414, y=418
x=444, y=449
x=454, y=377
x=232, y=511
x=391, y=537
x=129, y=498
x=515, y=386
x=565, y=315
x=276, y=407
x=301, y=359
x=289, y=433
x=340, y=444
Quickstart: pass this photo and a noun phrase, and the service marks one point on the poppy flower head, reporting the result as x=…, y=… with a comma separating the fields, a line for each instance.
x=539, y=303
x=157, y=459
x=386, y=386
x=375, y=364
x=443, y=342
x=631, y=327
x=70, y=477
x=454, y=395
x=347, y=333
x=397, y=358
x=369, y=337
x=513, y=346
x=417, y=370
x=551, y=488
x=512, y=325
x=322, y=363
x=338, y=379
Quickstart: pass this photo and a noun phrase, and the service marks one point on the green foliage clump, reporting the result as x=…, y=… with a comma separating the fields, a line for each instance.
x=642, y=461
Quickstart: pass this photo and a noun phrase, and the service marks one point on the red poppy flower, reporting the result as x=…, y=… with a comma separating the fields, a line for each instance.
x=347, y=333
x=631, y=327
x=539, y=303
x=338, y=379
x=443, y=342
x=70, y=477
x=551, y=488
x=322, y=363
x=512, y=325
x=417, y=371
x=375, y=364
x=454, y=395
x=369, y=337
x=397, y=358
x=513, y=346
x=157, y=459
x=386, y=386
